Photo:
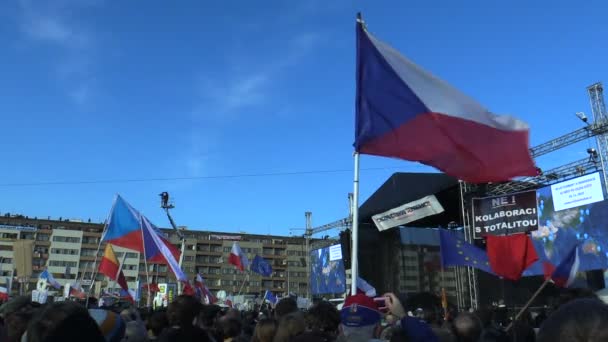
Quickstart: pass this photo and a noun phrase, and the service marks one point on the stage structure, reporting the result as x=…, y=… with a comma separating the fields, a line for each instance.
x=596, y=161
x=309, y=231
x=466, y=278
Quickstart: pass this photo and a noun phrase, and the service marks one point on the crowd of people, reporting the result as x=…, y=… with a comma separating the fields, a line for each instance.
x=578, y=316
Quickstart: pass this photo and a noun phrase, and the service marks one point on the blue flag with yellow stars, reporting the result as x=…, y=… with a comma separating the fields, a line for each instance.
x=457, y=252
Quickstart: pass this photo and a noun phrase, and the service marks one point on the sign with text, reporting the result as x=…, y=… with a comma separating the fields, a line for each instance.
x=407, y=213
x=335, y=252
x=224, y=237
x=20, y=228
x=507, y=214
x=578, y=191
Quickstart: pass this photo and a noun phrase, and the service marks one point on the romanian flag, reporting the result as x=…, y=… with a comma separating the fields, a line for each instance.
x=110, y=267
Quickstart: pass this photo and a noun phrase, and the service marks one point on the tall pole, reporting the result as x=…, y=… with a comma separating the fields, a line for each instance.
x=355, y=233
x=307, y=236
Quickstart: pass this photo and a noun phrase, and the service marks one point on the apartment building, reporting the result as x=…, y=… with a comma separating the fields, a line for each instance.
x=68, y=248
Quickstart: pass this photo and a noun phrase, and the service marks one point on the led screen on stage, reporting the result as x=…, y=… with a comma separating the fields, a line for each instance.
x=569, y=213
x=327, y=271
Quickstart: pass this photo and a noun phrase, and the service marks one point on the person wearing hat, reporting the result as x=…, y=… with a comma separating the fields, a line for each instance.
x=360, y=318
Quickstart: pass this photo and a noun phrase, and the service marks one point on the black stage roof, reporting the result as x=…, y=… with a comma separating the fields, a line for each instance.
x=380, y=251
x=402, y=188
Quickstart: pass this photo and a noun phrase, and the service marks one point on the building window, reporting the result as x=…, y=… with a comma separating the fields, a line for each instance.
x=60, y=263
x=70, y=239
x=87, y=252
x=64, y=251
x=42, y=237
x=226, y=249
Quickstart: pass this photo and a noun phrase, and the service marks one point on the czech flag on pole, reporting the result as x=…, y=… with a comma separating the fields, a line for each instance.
x=238, y=258
x=565, y=273
x=125, y=228
x=404, y=112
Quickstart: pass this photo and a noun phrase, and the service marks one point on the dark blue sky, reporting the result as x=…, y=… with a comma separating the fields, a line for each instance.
x=107, y=90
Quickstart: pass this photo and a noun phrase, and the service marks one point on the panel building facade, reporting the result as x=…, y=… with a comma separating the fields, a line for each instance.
x=69, y=248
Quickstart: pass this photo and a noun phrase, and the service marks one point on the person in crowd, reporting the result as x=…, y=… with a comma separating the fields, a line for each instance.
x=16, y=313
x=323, y=320
x=207, y=320
x=284, y=307
x=230, y=328
x=66, y=322
x=156, y=323
x=467, y=327
x=181, y=314
x=580, y=320
x=134, y=332
x=265, y=330
x=136, y=328
x=290, y=326
x=522, y=329
x=360, y=318
x=414, y=328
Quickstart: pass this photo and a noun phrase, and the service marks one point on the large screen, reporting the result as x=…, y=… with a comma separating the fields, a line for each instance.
x=572, y=212
x=327, y=274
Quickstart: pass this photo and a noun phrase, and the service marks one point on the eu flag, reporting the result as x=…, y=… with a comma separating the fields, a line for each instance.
x=457, y=252
x=270, y=297
x=261, y=266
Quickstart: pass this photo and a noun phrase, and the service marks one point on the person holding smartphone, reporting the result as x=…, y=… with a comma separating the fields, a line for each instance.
x=416, y=330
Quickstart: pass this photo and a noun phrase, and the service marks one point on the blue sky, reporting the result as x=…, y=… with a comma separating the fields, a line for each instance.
x=96, y=90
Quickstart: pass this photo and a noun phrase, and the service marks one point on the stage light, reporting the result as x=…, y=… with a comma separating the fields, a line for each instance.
x=592, y=154
x=582, y=116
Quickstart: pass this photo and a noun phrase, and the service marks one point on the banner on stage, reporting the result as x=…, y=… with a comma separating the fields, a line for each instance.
x=506, y=214
x=407, y=213
x=577, y=192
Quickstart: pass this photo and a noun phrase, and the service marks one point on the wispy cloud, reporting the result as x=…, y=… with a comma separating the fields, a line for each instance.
x=242, y=88
x=253, y=85
x=52, y=24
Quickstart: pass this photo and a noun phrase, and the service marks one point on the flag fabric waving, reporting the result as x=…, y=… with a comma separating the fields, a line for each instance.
x=457, y=252
x=50, y=279
x=203, y=291
x=270, y=297
x=261, y=266
x=124, y=229
x=404, y=112
x=565, y=273
x=156, y=246
x=510, y=255
x=364, y=287
x=238, y=258
x=110, y=267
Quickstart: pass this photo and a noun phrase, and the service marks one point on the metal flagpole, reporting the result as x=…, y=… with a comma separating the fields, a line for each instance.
x=103, y=232
x=143, y=241
x=124, y=257
x=355, y=233
x=244, y=280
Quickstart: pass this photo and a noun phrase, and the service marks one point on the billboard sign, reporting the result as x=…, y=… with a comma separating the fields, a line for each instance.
x=507, y=214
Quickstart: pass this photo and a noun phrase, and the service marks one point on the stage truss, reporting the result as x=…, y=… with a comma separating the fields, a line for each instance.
x=466, y=277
